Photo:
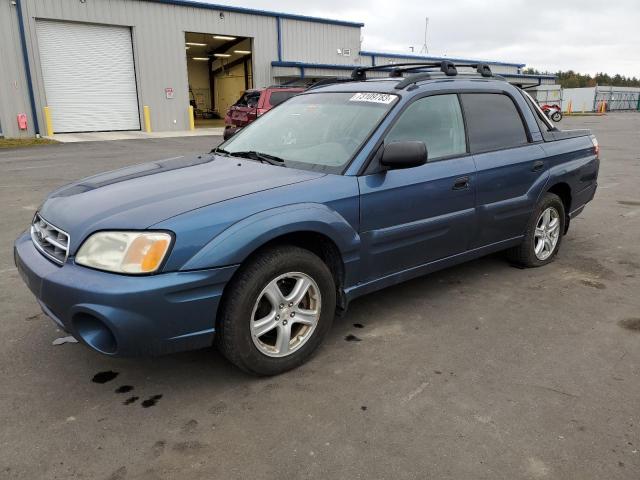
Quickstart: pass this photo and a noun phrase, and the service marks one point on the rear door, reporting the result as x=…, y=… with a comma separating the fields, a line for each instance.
x=511, y=170
x=417, y=215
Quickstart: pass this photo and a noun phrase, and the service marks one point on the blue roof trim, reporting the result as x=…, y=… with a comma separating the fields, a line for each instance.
x=264, y=13
x=431, y=57
x=277, y=63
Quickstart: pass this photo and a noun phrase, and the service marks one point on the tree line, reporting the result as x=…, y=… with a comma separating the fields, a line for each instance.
x=571, y=79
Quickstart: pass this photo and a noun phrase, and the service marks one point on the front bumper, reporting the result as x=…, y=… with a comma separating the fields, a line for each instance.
x=125, y=315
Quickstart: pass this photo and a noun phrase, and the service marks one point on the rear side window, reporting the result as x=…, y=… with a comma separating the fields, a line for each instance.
x=436, y=121
x=248, y=99
x=493, y=122
x=277, y=98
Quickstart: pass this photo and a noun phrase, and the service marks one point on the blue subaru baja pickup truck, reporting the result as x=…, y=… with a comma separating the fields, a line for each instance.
x=347, y=188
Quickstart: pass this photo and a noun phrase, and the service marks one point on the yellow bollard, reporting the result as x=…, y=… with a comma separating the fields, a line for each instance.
x=48, y=124
x=570, y=108
x=584, y=106
x=147, y=119
x=192, y=122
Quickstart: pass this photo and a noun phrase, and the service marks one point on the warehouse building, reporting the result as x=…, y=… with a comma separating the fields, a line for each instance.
x=109, y=65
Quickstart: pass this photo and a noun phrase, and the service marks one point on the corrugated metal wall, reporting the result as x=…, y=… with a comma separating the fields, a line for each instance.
x=318, y=42
x=158, y=42
x=14, y=97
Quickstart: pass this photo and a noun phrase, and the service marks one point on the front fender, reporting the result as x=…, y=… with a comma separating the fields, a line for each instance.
x=236, y=243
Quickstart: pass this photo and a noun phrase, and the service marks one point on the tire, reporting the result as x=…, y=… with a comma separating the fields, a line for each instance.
x=526, y=255
x=251, y=300
x=556, y=116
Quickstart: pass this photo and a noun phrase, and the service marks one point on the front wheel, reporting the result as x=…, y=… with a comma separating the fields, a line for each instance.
x=556, y=116
x=544, y=234
x=276, y=311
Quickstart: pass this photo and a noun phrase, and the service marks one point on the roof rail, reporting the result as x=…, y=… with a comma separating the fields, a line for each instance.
x=329, y=81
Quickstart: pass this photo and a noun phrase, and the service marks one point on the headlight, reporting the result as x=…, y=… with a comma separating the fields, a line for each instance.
x=124, y=252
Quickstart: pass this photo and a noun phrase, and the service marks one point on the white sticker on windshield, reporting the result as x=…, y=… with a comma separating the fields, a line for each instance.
x=373, y=97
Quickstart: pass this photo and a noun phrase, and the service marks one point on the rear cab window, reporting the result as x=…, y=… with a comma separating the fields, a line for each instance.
x=493, y=122
x=248, y=99
x=543, y=122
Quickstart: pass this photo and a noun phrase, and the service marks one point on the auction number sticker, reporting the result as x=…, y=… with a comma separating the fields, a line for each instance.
x=373, y=98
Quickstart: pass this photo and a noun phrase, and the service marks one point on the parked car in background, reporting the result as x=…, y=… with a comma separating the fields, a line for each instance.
x=341, y=191
x=254, y=103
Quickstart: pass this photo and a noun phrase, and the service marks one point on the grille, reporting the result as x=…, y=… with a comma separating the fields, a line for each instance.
x=52, y=242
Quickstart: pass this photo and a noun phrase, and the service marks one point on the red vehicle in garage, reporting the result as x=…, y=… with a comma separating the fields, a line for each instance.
x=254, y=103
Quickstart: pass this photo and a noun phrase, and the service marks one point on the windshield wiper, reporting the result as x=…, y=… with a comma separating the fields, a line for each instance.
x=261, y=157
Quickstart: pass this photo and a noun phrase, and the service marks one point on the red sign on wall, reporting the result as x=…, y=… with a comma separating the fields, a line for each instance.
x=22, y=121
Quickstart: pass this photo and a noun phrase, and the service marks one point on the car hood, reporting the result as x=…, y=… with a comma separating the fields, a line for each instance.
x=142, y=195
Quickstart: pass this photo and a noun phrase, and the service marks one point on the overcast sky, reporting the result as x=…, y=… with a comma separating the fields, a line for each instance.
x=583, y=35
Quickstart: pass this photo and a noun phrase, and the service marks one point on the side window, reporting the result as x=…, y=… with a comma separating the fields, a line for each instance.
x=493, y=122
x=436, y=121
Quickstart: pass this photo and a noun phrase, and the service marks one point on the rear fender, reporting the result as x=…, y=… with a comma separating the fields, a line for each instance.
x=238, y=241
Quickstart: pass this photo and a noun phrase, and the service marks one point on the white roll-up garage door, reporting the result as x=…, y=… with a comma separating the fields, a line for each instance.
x=89, y=76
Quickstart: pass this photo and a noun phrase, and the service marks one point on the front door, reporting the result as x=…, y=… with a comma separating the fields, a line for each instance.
x=414, y=216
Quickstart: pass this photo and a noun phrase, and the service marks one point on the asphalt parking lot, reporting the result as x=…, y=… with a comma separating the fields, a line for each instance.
x=482, y=371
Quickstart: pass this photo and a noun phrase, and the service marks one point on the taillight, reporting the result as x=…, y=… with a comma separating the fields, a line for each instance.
x=596, y=146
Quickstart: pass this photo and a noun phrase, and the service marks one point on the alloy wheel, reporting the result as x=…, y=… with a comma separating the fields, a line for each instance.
x=285, y=314
x=547, y=233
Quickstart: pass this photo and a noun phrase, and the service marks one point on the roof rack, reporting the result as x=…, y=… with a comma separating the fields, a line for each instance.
x=397, y=69
x=424, y=71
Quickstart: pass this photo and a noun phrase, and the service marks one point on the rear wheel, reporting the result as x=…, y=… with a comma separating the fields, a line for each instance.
x=276, y=311
x=544, y=234
x=556, y=116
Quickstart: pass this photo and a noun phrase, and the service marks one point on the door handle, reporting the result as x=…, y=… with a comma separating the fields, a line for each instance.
x=537, y=166
x=461, y=183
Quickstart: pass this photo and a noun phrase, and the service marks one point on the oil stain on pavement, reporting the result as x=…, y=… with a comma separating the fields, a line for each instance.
x=630, y=323
x=104, y=377
x=151, y=401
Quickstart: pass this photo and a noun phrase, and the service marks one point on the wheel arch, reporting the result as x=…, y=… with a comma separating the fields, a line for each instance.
x=317, y=243
x=563, y=190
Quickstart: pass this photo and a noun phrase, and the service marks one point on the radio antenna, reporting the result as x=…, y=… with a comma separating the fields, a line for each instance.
x=425, y=48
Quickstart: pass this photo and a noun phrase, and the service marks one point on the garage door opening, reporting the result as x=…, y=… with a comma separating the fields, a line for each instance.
x=89, y=76
x=220, y=69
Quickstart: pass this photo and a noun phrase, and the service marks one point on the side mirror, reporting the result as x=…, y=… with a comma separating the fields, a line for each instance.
x=406, y=154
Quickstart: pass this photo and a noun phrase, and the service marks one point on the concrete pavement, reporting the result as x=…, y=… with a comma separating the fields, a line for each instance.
x=481, y=371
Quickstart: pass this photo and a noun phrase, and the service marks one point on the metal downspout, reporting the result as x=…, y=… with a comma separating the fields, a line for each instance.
x=27, y=67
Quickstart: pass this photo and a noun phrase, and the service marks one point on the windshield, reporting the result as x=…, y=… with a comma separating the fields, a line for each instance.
x=315, y=131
